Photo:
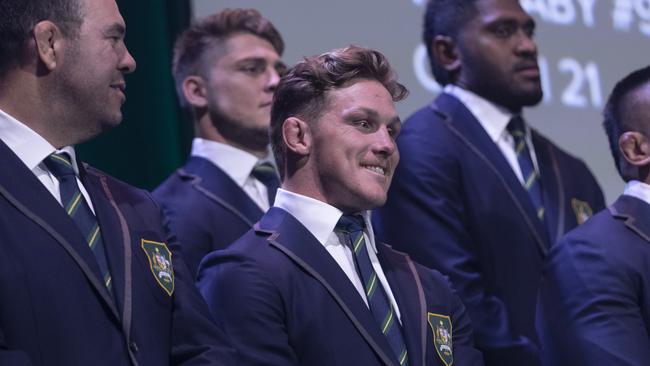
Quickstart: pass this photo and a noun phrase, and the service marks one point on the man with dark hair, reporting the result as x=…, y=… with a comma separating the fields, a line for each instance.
x=89, y=275
x=226, y=68
x=594, y=300
x=309, y=285
x=480, y=195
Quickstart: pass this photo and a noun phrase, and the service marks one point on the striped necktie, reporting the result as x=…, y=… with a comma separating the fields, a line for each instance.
x=382, y=310
x=76, y=206
x=531, y=176
x=266, y=173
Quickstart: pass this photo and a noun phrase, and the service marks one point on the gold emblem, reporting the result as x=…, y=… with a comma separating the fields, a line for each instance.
x=160, y=263
x=442, y=337
x=582, y=210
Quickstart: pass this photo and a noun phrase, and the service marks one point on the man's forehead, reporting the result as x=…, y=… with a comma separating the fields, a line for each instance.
x=493, y=10
x=242, y=46
x=102, y=12
x=362, y=96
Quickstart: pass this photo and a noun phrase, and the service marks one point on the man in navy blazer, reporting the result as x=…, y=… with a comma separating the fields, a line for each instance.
x=464, y=201
x=89, y=275
x=594, y=300
x=298, y=289
x=226, y=68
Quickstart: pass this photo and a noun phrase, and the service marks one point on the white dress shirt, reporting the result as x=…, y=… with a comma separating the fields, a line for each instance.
x=320, y=219
x=31, y=149
x=494, y=120
x=237, y=164
x=638, y=189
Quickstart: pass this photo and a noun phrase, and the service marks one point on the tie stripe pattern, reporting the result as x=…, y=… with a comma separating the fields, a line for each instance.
x=382, y=310
x=265, y=172
x=532, y=182
x=77, y=208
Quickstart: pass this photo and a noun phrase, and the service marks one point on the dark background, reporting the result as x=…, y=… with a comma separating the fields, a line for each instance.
x=155, y=135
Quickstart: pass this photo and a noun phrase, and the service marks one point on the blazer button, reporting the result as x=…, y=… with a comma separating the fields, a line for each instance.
x=134, y=347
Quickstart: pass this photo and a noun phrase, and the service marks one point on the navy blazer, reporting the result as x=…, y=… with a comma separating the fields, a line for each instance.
x=456, y=205
x=594, y=303
x=285, y=301
x=206, y=208
x=55, y=309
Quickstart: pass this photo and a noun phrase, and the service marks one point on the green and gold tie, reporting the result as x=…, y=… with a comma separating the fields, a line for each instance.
x=76, y=206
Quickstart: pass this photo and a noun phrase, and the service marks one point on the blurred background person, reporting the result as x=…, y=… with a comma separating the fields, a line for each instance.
x=594, y=301
x=226, y=67
x=479, y=195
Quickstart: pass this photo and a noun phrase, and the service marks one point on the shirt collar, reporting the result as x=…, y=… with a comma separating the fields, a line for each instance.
x=236, y=163
x=30, y=147
x=492, y=117
x=316, y=216
x=638, y=189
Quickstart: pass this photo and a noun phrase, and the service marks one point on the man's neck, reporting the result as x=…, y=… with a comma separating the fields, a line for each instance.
x=207, y=131
x=512, y=109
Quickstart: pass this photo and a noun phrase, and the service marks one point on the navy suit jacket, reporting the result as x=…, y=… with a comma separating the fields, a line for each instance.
x=206, y=208
x=55, y=309
x=594, y=303
x=285, y=301
x=456, y=205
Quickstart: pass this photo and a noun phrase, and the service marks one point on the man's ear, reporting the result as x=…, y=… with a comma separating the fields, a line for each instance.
x=445, y=53
x=49, y=42
x=635, y=148
x=195, y=91
x=297, y=135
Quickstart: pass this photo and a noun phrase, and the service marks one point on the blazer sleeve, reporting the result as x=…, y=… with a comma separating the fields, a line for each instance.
x=195, y=241
x=10, y=356
x=425, y=215
x=246, y=303
x=465, y=353
x=196, y=340
x=589, y=309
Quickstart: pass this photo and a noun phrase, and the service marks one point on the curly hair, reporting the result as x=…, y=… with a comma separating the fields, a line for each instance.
x=302, y=91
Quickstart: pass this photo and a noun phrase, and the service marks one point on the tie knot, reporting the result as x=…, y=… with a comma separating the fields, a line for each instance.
x=516, y=127
x=59, y=164
x=351, y=223
x=265, y=173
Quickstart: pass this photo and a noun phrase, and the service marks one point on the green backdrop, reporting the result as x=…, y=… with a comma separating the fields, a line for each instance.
x=155, y=135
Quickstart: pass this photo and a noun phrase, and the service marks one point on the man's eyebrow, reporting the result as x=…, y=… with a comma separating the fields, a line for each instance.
x=368, y=112
x=359, y=111
x=252, y=59
x=116, y=28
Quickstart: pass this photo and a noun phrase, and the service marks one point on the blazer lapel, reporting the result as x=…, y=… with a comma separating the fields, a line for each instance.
x=407, y=289
x=636, y=214
x=210, y=180
x=25, y=192
x=467, y=128
x=552, y=188
x=290, y=237
x=111, y=233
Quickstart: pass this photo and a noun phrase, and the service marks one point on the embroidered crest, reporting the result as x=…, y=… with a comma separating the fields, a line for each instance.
x=442, y=336
x=160, y=263
x=582, y=210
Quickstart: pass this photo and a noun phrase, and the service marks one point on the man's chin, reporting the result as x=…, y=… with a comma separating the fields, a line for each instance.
x=111, y=122
x=527, y=97
x=532, y=98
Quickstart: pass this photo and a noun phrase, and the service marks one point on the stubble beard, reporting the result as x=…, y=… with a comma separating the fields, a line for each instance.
x=78, y=113
x=237, y=133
